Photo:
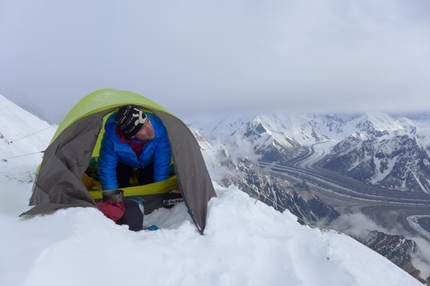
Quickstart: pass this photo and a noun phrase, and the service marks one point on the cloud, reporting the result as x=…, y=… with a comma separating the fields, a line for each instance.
x=201, y=57
x=358, y=225
x=421, y=258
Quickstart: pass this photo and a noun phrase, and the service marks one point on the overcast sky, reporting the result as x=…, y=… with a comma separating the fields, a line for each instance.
x=196, y=57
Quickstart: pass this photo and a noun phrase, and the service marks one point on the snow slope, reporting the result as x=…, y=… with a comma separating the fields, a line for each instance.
x=244, y=243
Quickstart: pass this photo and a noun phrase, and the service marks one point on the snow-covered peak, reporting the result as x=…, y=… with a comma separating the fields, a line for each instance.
x=379, y=121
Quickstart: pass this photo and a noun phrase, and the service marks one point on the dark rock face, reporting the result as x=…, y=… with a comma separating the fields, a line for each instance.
x=398, y=163
x=267, y=147
x=282, y=195
x=311, y=210
x=395, y=248
x=277, y=153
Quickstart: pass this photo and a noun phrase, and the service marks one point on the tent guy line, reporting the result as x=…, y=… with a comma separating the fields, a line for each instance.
x=23, y=155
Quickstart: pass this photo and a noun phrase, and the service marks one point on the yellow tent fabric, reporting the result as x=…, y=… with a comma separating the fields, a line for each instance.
x=59, y=181
x=101, y=100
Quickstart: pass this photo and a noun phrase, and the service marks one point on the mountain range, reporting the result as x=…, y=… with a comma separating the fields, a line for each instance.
x=375, y=148
x=271, y=157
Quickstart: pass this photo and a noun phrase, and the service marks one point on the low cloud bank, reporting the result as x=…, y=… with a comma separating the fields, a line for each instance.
x=359, y=226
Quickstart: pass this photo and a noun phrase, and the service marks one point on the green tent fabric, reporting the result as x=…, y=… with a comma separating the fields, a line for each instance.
x=59, y=183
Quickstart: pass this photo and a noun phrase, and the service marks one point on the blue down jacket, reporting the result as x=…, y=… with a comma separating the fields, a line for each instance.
x=112, y=151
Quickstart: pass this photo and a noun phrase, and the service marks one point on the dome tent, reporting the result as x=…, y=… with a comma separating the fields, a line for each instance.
x=59, y=184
